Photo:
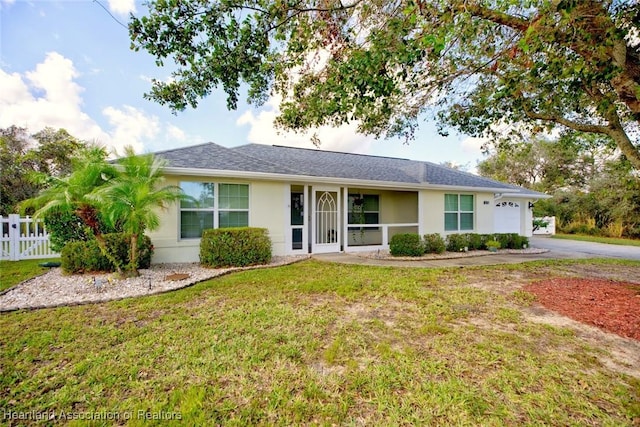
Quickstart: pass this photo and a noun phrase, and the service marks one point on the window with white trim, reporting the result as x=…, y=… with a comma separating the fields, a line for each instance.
x=214, y=205
x=458, y=212
x=364, y=209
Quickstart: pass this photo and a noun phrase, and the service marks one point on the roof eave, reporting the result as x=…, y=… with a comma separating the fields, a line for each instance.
x=333, y=180
x=527, y=195
x=288, y=177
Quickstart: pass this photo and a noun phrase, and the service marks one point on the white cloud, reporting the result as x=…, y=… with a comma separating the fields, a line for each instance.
x=473, y=145
x=6, y=3
x=122, y=7
x=344, y=138
x=48, y=96
x=131, y=127
x=175, y=133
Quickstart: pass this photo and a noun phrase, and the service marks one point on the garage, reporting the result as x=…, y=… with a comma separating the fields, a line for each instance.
x=507, y=216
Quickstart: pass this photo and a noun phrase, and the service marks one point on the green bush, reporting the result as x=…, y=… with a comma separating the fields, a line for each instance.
x=82, y=257
x=406, y=244
x=504, y=239
x=475, y=241
x=457, y=242
x=434, y=243
x=492, y=244
x=484, y=239
x=517, y=241
x=118, y=245
x=66, y=226
x=509, y=240
x=235, y=247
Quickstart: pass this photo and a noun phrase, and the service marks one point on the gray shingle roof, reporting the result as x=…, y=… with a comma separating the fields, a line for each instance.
x=217, y=157
x=320, y=163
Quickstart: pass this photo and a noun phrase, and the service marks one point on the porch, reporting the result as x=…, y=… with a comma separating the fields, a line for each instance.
x=348, y=219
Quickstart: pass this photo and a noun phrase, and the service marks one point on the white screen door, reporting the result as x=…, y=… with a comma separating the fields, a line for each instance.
x=326, y=227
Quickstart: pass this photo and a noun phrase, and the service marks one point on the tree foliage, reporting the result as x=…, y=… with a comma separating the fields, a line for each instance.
x=548, y=165
x=23, y=157
x=108, y=196
x=474, y=64
x=72, y=193
x=131, y=198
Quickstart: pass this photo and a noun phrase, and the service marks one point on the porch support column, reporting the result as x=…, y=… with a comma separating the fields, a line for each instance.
x=420, y=214
x=345, y=218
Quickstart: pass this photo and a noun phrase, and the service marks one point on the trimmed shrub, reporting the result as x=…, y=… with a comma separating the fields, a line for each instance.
x=235, y=247
x=406, y=244
x=509, y=240
x=475, y=241
x=484, y=238
x=492, y=245
x=517, y=241
x=118, y=245
x=83, y=257
x=457, y=242
x=504, y=239
x=65, y=226
x=434, y=243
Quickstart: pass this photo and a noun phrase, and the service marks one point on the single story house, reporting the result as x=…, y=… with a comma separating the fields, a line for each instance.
x=315, y=201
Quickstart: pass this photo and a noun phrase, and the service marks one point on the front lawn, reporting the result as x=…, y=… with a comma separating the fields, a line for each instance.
x=14, y=272
x=598, y=239
x=319, y=343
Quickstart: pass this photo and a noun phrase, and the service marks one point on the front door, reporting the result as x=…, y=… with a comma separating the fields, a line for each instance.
x=297, y=235
x=325, y=220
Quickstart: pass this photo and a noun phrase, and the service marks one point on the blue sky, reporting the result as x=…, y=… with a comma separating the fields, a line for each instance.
x=68, y=64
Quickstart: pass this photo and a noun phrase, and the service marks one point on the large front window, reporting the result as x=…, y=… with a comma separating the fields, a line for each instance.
x=364, y=209
x=212, y=205
x=458, y=212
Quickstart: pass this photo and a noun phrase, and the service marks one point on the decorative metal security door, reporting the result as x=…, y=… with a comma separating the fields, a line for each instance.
x=297, y=240
x=326, y=226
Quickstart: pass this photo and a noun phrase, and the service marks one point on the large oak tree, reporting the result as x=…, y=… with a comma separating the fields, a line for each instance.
x=474, y=64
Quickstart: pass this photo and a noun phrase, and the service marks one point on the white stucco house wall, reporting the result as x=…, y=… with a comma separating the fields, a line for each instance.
x=315, y=201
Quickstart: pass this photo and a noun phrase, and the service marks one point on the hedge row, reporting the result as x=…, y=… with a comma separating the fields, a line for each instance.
x=414, y=245
x=235, y=247
x=83, y=257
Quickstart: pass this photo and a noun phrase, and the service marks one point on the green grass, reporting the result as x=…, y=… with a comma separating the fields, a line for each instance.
x=314, y=343
x=14, y=272
x=597, y=239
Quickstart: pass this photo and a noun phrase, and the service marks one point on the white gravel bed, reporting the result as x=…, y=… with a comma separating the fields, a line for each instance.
x=54, y=289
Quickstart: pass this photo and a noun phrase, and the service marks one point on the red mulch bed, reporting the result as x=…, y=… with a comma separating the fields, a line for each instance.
x=609, y=305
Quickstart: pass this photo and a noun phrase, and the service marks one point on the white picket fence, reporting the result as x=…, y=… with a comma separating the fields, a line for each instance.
x=24, y=238
x=550, y=228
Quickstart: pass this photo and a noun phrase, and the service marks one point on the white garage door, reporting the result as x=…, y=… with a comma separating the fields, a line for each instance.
x=506, y=217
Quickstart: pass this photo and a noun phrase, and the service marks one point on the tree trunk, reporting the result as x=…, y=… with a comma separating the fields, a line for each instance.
x=625, y=145
x=102, y=244
x=133, y=256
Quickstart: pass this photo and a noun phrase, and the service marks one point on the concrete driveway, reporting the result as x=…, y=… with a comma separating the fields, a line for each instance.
x=561, y=248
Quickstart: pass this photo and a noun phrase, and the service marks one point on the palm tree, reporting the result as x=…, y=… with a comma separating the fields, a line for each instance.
x=133, y=197
x=72, y=192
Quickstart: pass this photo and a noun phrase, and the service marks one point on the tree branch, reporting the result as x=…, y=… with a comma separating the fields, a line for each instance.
x=582, y=127
x=499, y=18
x=613, y=129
